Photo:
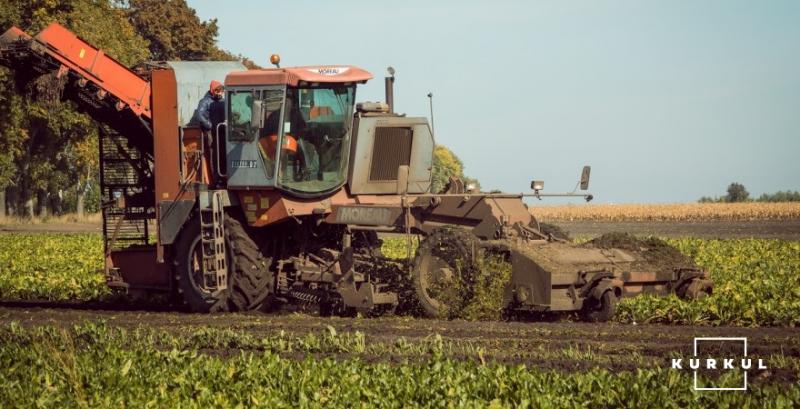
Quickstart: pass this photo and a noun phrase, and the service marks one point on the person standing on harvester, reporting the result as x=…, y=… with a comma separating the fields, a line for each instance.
x=211, y=109
x=209, y=113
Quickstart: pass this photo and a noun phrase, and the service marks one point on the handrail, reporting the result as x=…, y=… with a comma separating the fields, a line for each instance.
x=217, y=149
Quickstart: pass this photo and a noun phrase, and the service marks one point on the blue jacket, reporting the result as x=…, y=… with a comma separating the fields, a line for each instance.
x=209, y=112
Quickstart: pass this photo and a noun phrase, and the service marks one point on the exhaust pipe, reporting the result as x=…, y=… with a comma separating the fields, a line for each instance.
x=389, y=84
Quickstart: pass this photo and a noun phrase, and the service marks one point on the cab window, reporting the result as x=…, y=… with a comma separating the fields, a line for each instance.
x=316, y=138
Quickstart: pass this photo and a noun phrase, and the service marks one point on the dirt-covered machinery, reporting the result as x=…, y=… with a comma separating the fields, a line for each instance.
x=284, y=200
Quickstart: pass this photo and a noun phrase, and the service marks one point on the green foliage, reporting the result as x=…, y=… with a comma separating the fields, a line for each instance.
x=445, y=165
x=44, y=140
x=478, y=296
x=736, y=193
x=174, y=30
x=13, y=132
x=708, y=199
x=51, y=267
x=399, y=248
x=475, y=293
x=106, y=26
x=780, y=197
x=489, y=283
x=96, y=366
x=756, y=283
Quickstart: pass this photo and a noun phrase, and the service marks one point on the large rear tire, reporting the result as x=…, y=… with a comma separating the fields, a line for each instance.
x=250, y=281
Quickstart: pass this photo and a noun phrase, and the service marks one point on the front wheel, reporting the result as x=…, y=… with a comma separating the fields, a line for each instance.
x=601, y=310
x=695, y=289
x=249, y=279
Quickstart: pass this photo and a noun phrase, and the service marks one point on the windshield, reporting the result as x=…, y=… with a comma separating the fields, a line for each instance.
x=316, y=138
x=241, y=128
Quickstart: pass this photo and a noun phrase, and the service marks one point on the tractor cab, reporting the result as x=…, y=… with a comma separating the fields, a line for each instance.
x=290, y=128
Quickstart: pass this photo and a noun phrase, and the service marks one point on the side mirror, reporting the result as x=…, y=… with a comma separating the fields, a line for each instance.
x=257, y=114
x=585, y=177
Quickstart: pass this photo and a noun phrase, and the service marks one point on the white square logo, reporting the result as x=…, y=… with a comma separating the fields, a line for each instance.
x=720, y=339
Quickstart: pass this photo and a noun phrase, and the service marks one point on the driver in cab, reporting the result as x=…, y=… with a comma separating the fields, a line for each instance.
x=299, y=158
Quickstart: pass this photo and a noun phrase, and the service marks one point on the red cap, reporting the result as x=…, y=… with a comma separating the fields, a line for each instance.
x=214, y=85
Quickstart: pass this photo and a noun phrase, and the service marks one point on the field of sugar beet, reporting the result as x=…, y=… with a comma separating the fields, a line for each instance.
x=67, y=342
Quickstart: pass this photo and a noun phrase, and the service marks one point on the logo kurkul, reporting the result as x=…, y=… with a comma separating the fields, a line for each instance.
x=696, y=363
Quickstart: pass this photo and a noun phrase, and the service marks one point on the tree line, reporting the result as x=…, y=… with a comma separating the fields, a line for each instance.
x=737, y=193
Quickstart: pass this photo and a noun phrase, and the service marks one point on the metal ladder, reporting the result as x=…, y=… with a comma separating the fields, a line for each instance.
x=212, y=237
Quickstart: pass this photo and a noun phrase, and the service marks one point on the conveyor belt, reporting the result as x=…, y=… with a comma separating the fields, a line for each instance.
x=107, y=90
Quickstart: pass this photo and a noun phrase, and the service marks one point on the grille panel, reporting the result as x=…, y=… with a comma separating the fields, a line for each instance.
x=392, y=149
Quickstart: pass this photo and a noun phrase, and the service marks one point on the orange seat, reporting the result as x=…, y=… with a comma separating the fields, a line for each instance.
x=268, y=144
x=318, y=111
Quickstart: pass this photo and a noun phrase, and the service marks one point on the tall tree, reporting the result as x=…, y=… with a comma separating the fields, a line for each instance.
x=37, y=128
x=737, y=193
x=445, y=165
x=174, y=30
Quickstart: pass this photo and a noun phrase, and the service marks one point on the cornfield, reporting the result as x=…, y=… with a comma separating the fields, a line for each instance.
x=669, y=212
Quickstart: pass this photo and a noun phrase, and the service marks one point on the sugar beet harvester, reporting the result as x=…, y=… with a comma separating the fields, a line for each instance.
x=286, y=203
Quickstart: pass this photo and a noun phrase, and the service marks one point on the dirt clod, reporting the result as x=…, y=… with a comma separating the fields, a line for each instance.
x=653, y=250
x=554, y=231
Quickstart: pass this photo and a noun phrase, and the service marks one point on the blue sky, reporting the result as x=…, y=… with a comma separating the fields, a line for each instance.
x=668, y=101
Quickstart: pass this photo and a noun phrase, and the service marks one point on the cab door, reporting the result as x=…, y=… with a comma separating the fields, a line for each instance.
x=253, y=120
